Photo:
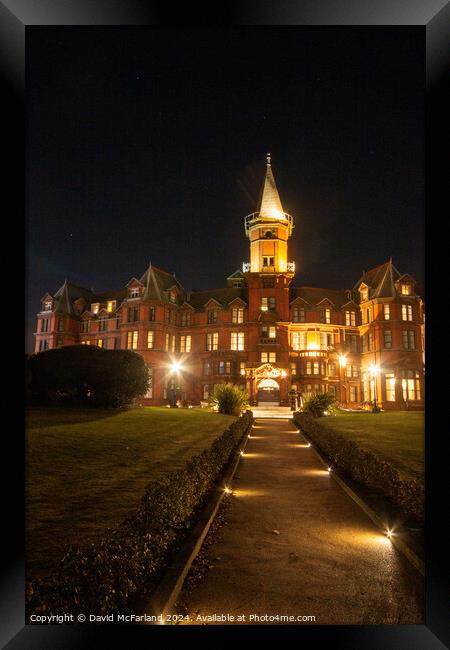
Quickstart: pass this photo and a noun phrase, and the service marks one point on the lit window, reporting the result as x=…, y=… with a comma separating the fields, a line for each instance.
x=387, y=336
x=95, y=306
x=268, y=357
x=101, y=343
x=237, y=341
x=352, y=394
x=411, y=385
x=237, y=315
x=185, y=318
x=47, y=305
x=364, y=295
x=212, y=341
x=173, y=343
x=406, y=289
x=206, y=368
x=390, y=387
x=242, y=367
x=132, y=340
x=264, y=303
x=172, y=296
x=110, y=306
x=166, y=342
x=134, y=292
x=185, y=343
x=293, y=368
x=350, y=318
x=387, y=312
x=407, y=312
x=150, y=339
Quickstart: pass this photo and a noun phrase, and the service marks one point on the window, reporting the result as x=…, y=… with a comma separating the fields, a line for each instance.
x=43, y=345
x=95, y=306
x=101, y=343
x=212, y=316
x=368, y=315
x=149, y=393
x=352, y=394
x=364, y=295
x=166, y=315
x=264, y=303
x=237, y=285
x=298, y=315
x=45, y=324
x=166, y=342
x=110, y=306
x=61, y=325
x=47, y=306
x=407, y=312
x=237, y=315
x=151, y=313
x=387, y=339
x=325, y=315
x=332, y=369
x=59, y=341
x=350, y=318
x=133, y=314
x=212, y=341
x=272, y=303
x=390, y=387
x=351, y=370
x=132, y=340
x=206, y=368
x=411, y=385
x=293, y=368
x=102, y=325
x=409, y=339
x=185, y=319
x=185, y=343
x=364, y=343
x=406, y=289
x=224, y=368
x=134, y=292
x=237, y=341
x=172, y=296
x=173, y=343
x=370, y=341
x=205, y=392
x=268, y=283
x=268, y=357
x=150, y=339
x=242, y=368
x=269, y=332
x=351, y=342
x=268, y=261
x=116, y=343
x=387, y=312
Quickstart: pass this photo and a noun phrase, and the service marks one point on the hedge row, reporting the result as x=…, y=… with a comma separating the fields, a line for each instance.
x=105, y=575
x=365, y=467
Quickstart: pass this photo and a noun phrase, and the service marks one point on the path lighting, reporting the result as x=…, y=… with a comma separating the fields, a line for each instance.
x=309, y=444
x=227, y=490
x=329, y=469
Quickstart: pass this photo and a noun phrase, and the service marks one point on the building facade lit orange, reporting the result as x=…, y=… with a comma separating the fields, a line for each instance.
x=364, y=344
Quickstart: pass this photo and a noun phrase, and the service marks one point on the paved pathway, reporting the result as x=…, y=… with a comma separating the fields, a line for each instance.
x=328, y=560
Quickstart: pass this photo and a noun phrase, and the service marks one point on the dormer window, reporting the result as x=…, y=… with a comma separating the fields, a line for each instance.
x=110, y=306
x=95, y=306
x=172, y=296
x=212, y=316
x=47, y=305
x=134, y=292
x=405, y=289
x=364, y=295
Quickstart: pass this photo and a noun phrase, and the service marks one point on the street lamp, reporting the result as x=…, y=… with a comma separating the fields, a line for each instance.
x=374, y=371
x=175, y=368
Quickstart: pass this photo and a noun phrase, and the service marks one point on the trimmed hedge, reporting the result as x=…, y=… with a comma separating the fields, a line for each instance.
x=365, y=467
x=105, y=575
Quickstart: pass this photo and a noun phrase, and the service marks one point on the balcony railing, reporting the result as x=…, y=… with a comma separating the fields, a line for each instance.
x=255, y=218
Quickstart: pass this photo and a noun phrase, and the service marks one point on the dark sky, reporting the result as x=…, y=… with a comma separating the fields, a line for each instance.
x=149, y=145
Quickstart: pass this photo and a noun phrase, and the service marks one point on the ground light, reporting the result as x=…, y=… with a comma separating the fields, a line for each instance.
x=227, y=490
x=389, y=533
x=329, y=468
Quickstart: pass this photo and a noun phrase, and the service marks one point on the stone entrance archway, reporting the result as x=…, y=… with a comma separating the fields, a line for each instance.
x=268, y=392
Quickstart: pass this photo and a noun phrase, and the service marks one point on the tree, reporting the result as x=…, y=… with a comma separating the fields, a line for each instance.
x=88, y=375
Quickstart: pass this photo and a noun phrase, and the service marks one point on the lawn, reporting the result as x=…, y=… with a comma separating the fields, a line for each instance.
x=399, y=436
x=87, y=470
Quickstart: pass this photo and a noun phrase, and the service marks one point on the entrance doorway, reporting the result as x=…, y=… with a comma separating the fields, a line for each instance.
x=268, y=393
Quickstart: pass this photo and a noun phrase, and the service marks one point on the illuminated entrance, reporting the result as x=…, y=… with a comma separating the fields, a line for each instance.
x=268, y=392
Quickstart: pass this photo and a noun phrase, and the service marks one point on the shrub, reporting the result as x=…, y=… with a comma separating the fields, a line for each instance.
x=365, y=467
x=125, y=562
x=317, y=404
x=87, y=375
x=229, y=399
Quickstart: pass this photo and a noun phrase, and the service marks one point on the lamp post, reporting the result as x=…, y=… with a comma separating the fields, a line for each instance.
x=374, y=371
x=342, y=366
x=175, y=367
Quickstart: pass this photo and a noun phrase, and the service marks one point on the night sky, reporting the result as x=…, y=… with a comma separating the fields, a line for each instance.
x=149, y=145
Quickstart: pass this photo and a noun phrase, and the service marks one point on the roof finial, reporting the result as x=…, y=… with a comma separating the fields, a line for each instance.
x=268, y=158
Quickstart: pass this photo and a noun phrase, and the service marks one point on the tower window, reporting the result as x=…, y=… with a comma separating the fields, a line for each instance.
x=268, y=261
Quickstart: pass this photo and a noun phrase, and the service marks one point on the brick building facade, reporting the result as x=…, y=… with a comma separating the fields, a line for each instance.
x=362, y=344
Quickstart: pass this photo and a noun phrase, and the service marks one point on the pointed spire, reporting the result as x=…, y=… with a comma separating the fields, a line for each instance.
x=270, y=206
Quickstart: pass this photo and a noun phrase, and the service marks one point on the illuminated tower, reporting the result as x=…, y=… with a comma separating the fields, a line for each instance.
x=269, y=230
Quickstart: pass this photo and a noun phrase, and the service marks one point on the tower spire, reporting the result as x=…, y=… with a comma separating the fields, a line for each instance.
x=270, y=206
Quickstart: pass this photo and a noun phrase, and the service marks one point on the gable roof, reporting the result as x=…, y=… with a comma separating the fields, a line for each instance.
x=314, y=296
x=198, y=299
x=380, y=280
x=157, y=282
